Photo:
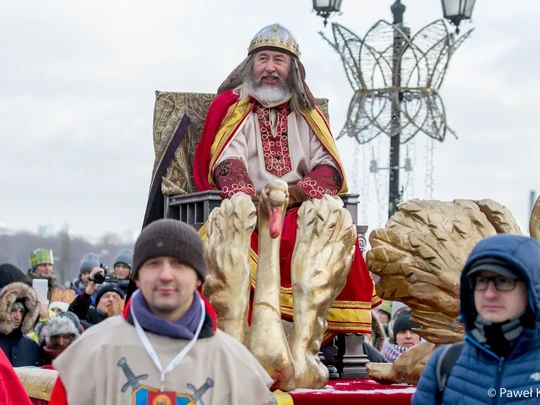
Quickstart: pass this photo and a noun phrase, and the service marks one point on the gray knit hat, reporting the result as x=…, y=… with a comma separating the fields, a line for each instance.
x=170, y=237
x=88, y=262
x=126, y=257
x=61, y=325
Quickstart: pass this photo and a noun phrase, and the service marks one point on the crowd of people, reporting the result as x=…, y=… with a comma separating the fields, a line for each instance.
x=35, y=329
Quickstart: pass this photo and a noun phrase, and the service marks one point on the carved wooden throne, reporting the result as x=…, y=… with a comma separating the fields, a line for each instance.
x=178, y=123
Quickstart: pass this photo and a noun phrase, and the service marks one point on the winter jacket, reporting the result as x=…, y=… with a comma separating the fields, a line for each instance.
x=88, y=316
x=479, y=376
x=19, y=348
x=12, y=391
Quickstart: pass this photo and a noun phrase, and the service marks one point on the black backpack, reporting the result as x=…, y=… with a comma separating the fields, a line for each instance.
x=444, y=366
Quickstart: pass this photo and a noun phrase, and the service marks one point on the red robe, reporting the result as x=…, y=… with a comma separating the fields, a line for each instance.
x=351, y=311
x=12, y=391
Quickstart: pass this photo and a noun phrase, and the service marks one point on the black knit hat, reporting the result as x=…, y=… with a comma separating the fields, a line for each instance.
x=403, y=322
x=10, y=274
x=108, y=288
x=170, y=237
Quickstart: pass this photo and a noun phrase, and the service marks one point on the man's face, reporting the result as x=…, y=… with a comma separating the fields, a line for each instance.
x=84, y=277
x=270, y=66
x=500, y=306
x=107, y=300
x=60, y=342
x=407, y=338
x=122, y=271
x=44, y=270
x=17, y=316
x=383, y=316
x=56, y=310
x=167, y=286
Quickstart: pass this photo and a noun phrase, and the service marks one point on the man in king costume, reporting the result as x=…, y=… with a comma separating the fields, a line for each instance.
x=264, y=124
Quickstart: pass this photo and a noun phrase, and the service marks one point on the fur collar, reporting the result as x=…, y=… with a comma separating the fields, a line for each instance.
x=8, y=296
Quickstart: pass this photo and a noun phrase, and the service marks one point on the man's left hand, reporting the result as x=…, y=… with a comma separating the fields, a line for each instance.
x=296, y=196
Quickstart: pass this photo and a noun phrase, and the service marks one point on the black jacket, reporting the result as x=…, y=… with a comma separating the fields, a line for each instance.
x=20, y=349
x=88, y=316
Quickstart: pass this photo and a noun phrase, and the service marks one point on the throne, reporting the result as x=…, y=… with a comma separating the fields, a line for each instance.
x=178, y=123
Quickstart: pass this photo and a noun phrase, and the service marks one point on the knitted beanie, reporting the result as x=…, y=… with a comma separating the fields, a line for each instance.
x=88, y=262
x=125, y=257
x=403, y=323
x=170, y=237
x=10, y=274
x=108, y=288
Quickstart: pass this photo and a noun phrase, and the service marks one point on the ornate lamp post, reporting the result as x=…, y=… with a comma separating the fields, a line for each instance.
x=326, y=8
x=457, y=10
x=396, y=78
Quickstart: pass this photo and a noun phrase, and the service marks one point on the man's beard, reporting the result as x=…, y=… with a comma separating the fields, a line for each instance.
x=271, y=94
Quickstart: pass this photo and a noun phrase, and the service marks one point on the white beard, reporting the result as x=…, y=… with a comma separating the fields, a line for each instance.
x=271, y=95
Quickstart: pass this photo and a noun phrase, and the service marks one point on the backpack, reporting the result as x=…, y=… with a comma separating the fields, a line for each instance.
x=444, y=366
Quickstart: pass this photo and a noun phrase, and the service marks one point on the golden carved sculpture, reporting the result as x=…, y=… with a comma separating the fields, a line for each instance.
x=37, y=382
x=229, y=231
x=267, y=339
x=419, y=257
x=321, y=261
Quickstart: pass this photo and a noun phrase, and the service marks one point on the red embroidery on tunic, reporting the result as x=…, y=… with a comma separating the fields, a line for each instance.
x=231, y=177
x=322, y=180
x=277, y=157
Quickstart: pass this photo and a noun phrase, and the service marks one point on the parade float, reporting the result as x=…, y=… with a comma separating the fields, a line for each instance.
x=418, y=257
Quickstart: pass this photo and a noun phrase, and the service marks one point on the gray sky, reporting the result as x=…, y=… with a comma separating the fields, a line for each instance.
x=77, y=92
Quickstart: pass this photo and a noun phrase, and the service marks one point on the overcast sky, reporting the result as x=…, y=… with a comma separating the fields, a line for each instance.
x=77, y=89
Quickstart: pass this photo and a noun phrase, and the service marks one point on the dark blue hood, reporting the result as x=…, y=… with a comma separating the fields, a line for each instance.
x=521, y=252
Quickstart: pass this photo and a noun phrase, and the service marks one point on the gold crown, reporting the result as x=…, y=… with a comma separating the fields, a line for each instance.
x=275, y=36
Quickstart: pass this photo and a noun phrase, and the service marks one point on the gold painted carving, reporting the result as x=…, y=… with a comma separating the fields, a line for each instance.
x=321, y=261
x=419, y=256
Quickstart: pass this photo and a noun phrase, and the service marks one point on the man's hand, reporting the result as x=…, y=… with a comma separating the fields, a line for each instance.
x=255, y=199
x=43, y=308
x=296, y=196
x=91, y=286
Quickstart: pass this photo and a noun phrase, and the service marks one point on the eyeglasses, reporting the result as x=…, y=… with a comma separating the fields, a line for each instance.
x=481, y=283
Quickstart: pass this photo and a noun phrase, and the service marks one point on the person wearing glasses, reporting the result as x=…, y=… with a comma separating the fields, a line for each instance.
x=500, y=301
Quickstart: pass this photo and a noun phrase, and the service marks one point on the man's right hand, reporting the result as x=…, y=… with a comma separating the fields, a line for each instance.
x=91, y=287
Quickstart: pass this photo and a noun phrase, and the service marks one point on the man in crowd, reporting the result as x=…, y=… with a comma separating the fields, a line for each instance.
x=403, y=336
x=165, y=316
x=500, y=309
x=264, y=124
x=41, y=266
x=18, y=313
x=88, y=262
x=58, y=334
x=122, y=268
x=107, y=296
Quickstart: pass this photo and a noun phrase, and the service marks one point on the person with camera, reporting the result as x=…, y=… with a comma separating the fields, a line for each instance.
x=107, y=296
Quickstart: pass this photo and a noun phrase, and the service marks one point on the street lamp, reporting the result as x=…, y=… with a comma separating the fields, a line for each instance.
x=326, y=8
x=457, y=10
x=396, y=77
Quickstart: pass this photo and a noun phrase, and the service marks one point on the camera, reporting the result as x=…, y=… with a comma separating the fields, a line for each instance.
x=103, y=277
x=100, y=278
